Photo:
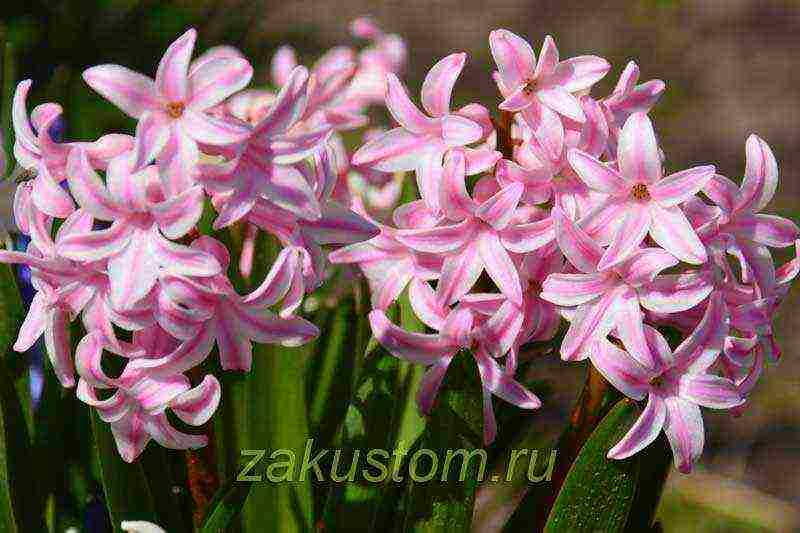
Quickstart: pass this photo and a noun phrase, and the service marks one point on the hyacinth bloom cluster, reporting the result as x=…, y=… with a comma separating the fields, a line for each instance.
x=114, y=224
x=553, y=212
x=577, y=220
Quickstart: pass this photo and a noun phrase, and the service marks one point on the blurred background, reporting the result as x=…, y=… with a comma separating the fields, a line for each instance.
x=731, y=68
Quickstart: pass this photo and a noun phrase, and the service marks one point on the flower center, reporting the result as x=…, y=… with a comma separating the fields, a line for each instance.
x=530, y=86
x=640, y=191
x=175, y=109
x=657, y=382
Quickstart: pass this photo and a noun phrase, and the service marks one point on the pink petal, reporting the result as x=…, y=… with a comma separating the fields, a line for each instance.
x=403, y=109
x=196, y=405
x=500, y=332
x=414, y=347
x=525, y=238
x=548, y=59
x=162, y=432
x=436, y=240
x=287, y=188
x=644, y=264
x=679, y=187
x=643, y=432
x=700, y=349
x=459, y=274
x=460, y=131
x=760, y=176
x=212, y=130
x=519, y=99
x=438, y=84
x=769, y=230
x=88, y=189
x=592, y=322
x=23, y=134
x=430, y=384
x=514, y=57
x=499, y=266
x=178, y=215
x=35, y=322
x=284, y=60
x=95, y=245
x=395, y=150
x=710, y=391
x=673, y=232
x=625, y=373
x=685, y=432
x=575, y=244
x=130, y=91
x=49, y=197
x=562, y=102
x=630, y=233
x=133, y=272
x=423, y=302
x=498, y=210
x=580, y=73
x=638, y=156
x=216, y=80
x=455, y=200
x=597, y=175
x=278, y=280
x=575, y=289
x=339, y=225
x=674, y=293
x=630, y=327
x=504, y=386
x=172, y=75
x=182, y=260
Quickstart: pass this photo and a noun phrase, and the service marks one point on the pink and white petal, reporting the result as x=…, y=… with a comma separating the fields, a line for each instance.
x=284, y=60
x=391, y=284
x=403, y=109
x=504, y=386
x=518, y=100
x=769, y=230
x=481, y=160
x=278, y=280
x=702, y=347
x=525, y=238
x=430, y=384
x=212, y=130
x=460, y=131
x=681, y=186
x=644, y=264
x=569, y=290
x=671, y=230
x=339, y=225
x=575, y=244
x=562, y=102
x=438, y=85
x=499, y=333
x=629, y=326
x=49, y=197
x=414, y=347
x=644, y=431
x=429, y=170
x=88, y=189
x=498, y=210
x=59, y=349
x=181, y=260
x=489, y=421
x=760, y=176
x=23, y=134
x=499, y=266
x=454, y=198
x=548, y=59
x=460, y=272
x=597, y=175
x=580, y=73
x=178, y=215
x=268, y=329
x=674, y=293
x=289, y=105
x=440, y=239
x=188, y=354
x=95, y=245
x=287, y=188
x=708, y=390
x=217, y=79
x=423, y=302
x=630, y=233
x=162, y=432
x=395, y=150
x=624, y=372
x=685, y=432
x=133, y=272
x=514, y=57
x=34, y=324
x=196, y=405
x=638, y=157
x=130, y=91
x=592, y=321
x=172, y=76
x=130, y=436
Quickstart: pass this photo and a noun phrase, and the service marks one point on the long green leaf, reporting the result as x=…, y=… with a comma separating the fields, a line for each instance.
x=598, y=492
x=454, y=435
x=226, y=506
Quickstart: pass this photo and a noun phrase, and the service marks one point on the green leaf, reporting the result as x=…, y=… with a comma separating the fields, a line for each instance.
x=597, y=492
x=454, y=435
x=128, y=496
x=226, y=506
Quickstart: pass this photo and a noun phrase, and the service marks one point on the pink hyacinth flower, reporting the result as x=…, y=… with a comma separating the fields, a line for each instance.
x=179, y=100
x=421, y=141
x=529, y=85
x=676, y=386
x=640, y=199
